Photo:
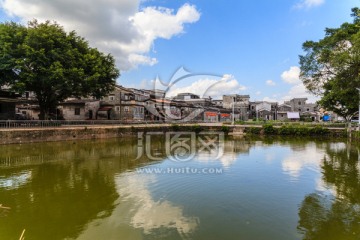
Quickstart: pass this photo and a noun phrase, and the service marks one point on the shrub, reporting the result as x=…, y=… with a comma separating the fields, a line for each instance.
x=269, y=129
x=253, y=130
x=175, y=127
x=196, y=128
x=302, y=130
x=319, y=130
x=225, y=129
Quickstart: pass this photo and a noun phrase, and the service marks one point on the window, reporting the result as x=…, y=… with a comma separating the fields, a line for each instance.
x=111, y=98
x=0, y=108
x=299, y=103
x=299, y=109
x=117, y=108
x=77, y=111
x=308, y=109
x=126, y=109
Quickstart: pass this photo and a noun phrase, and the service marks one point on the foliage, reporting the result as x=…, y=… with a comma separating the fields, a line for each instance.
x=196, y=128
x=253, y=130
x=335, y=216
x=175, y=127
x=269, y=129
x=355, y=135
x=331, y=67
x=225, y=129
x=318, y=130
x=53, y=64
x=302, y=130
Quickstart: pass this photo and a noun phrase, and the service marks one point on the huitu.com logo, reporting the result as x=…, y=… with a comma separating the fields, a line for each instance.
x=180, y=146
x=165, y=104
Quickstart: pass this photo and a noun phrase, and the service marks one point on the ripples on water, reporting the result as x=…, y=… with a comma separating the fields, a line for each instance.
x=263, y=189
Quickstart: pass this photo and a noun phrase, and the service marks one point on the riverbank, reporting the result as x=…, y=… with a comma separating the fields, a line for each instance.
x=69, y=133
x=29, y=135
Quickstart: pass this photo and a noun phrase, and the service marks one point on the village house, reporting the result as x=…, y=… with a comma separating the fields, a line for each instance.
x=30, y=111
x=194, y=99
x=283, y=109
x=218, y=102
x=131, y=104
x=123, y=104
x=263, y=110
x=306, y=110
x=240, y=103
x=79, y=109
x=8, y=101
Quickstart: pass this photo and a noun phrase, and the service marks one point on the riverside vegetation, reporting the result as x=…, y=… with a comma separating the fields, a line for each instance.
x=293, y=130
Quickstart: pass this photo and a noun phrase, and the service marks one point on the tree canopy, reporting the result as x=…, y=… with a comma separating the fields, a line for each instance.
x=331, y=67
x=52, y=63
x=334, y=214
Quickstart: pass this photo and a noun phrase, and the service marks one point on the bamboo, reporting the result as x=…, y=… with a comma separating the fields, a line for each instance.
x=2, y=207
x=22, y=235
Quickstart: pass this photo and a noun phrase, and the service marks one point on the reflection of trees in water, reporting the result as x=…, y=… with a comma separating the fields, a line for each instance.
x=341, y=169
x=333, y=218
x=57, y=202
x=296, y=143
x=322, y=218
x=39, y=153
x=70, y=185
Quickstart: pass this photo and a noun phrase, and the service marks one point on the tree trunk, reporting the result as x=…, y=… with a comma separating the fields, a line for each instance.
x=44, y=111
x=349, y=130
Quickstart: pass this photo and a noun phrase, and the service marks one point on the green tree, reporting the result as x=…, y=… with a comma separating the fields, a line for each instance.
x=331, y=67
x=337, y=215
x=55, y=65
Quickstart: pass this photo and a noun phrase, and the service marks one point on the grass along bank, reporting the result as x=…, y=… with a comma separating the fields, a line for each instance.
x=294, y=130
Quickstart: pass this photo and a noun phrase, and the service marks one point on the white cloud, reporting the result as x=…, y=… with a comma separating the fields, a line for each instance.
x=139, y=211
x=147, y=213
x=113, y=26
x=299, y=90
x=309, y=3
x=205, y=87
x=270, y=83
x=292, y=76
x=258, y=93
x=137, y=59
x=269, y=99
x=294, y=163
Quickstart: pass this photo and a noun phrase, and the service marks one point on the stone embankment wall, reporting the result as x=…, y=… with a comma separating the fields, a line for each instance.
x=10, y=136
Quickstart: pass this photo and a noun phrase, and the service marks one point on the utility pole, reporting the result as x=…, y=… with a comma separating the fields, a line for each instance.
x=233, y=111
x=359, y=111
x=120, y=106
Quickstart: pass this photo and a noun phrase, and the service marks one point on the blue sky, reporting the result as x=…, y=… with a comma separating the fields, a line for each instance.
x=252, y=46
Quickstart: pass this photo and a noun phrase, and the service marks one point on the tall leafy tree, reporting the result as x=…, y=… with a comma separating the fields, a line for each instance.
x=331, y=67
x=55, y=65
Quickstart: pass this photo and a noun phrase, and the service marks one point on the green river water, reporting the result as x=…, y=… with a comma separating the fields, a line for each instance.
x=241, y=189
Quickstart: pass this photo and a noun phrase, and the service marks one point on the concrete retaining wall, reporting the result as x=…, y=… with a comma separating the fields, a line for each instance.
x=10, y=136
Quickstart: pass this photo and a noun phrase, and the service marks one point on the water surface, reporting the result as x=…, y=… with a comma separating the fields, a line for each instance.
x=258, y=189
